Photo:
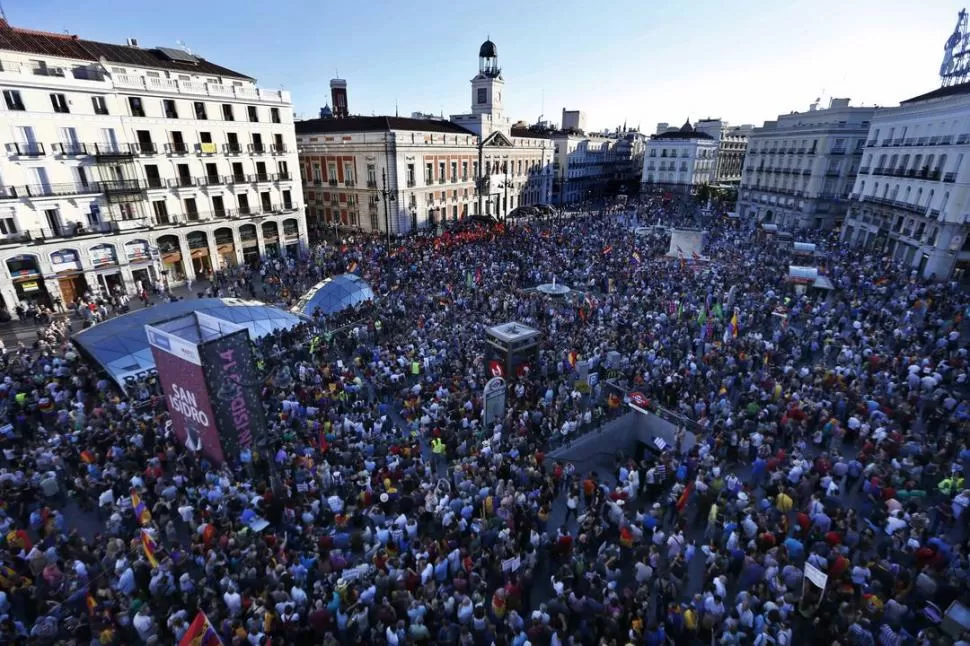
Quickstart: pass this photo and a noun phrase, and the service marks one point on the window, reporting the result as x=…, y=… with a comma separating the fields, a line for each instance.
x=371, y=175
x=100, y=107
x=171, y=112
x=441, y=171
x=13, y=100
x=8, y=226
x=137, y=109
x=464, y=170
x=200, y=110
x=411, y=179
x=59, y=101
x=227, y=112
x=454, y=171
x=428, y=173
x=274, y=115
x=253, y=115
x=482, y=95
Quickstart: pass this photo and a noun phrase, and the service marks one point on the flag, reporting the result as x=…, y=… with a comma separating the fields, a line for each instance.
x=468, y=279
x=636, y=258
x=91, y=603
x=352, y=267
x=478, y=275
x=767, y=357
x=201, y=632
x=717, y=312
x=734, y=325
x=607, y=249
x=702, y=316
x=571, y=358
x=142, y=515
x=87, y=457
x=149, y=546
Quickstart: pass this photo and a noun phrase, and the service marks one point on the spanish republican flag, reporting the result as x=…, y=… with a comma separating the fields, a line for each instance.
x=142, y=515
x=150, y=547
x=87, y=457
x=91, y=603
x=201, y=632
x=571, y=358
x=734, y=325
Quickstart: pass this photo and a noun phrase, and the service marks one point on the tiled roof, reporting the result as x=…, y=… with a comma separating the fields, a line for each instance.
x=377, y=124
x=525, y=132
x=953, y=90
x=64, y=46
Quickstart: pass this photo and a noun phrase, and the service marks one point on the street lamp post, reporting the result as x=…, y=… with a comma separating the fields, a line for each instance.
x=388, y=197
x=505, y=185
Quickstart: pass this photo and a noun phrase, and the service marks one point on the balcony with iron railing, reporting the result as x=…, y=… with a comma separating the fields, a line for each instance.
x=257, y=149
x=177, y=148
x=950, y=177
x=283, y=177
x=411, y=183
x=837, y=151
x=209, y=180
x=34, y=191
x=262, y=177
x=350, y=183
x=112, y=151
x=235, y=178
x=870, y=143
x=121, y=186
x=71, y=149
x=156, y=183
x=277, y=149
x=232, y=149
x=23, y=149
x=181, y=182
x=372, y=183
x=146, y=148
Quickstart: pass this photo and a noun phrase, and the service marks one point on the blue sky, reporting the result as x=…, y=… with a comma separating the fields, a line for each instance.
x=636, y=60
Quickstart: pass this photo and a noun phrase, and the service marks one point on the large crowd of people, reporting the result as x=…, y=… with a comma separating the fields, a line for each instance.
x=828, y=436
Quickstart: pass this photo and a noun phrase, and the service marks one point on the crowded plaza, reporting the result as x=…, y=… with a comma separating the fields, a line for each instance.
x=821, y=498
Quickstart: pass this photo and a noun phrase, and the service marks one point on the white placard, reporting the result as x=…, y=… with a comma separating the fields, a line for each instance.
x=815, y=575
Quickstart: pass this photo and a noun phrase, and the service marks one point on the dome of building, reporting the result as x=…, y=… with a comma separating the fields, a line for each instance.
x=121, y=347
x=687, y=127
x=334, y=295
x=487, y=50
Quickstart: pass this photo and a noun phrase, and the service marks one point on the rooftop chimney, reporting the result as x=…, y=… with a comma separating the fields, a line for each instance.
x=132, y=42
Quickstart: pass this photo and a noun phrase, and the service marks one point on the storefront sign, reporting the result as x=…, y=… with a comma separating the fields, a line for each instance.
x=138, y=251
x=103, y=256
x=30, y=286
x=66, y=260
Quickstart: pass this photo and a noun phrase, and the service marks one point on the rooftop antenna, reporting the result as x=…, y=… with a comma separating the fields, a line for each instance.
x=395, y=107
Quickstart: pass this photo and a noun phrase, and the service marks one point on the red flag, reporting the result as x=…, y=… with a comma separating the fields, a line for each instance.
x=201, y=632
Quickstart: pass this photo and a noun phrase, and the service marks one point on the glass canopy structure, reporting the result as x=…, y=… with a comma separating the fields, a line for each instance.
x=334, y=295
x=121, y=348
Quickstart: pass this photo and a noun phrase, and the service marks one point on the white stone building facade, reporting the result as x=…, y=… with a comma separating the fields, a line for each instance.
x=680, y=160
x=799, y=169
x=588, y=166
x=128, y=164
x=911, y=199
x=732, y=143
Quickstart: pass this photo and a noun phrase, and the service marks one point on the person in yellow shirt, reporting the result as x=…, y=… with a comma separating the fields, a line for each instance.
x=783, y=502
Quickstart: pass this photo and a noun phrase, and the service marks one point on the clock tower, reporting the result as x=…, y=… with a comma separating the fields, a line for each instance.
x=488, y=84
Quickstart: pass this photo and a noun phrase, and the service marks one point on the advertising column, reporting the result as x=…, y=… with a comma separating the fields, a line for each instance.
x=230, y=375
x=183, y=382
